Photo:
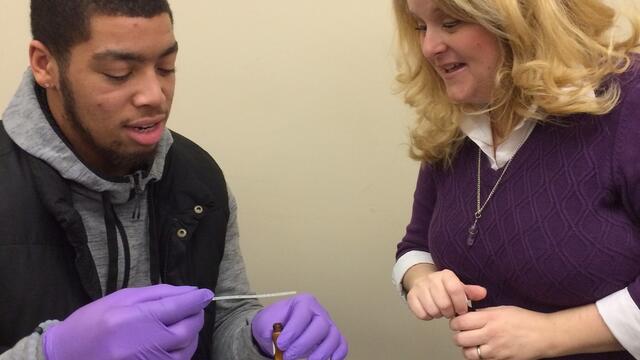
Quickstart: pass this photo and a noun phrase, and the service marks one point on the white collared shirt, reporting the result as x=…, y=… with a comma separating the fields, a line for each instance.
x=478, y=129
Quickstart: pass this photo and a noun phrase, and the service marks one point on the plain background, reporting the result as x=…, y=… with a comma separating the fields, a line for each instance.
x=295, y=101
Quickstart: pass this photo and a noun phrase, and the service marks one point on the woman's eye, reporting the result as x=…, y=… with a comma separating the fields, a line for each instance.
x=450, y=24
x=421, y=27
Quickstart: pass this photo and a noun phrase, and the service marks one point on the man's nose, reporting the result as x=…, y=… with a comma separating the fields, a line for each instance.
x=151, y=91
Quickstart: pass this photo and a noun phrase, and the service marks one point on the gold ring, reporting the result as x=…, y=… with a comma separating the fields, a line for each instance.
x=479, y=352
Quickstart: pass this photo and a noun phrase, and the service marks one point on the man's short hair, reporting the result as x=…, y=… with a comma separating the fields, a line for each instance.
x=61, y=24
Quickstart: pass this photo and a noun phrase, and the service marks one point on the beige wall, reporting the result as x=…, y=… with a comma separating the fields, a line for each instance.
x=293, y=98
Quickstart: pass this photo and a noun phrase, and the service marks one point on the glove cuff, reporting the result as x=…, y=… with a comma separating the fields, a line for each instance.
x=42, y=333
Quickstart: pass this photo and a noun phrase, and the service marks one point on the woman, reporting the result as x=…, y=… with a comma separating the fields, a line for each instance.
x=528, y=201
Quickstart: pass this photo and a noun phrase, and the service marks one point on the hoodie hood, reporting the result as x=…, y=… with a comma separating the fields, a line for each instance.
x=27, y=125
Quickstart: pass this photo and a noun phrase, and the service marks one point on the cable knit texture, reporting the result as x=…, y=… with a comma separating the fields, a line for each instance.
x=562, y=228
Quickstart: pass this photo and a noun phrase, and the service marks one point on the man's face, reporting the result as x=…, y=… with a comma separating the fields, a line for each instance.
x=116, y=91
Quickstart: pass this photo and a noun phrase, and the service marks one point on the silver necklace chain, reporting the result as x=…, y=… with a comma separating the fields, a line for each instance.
x=473, y=229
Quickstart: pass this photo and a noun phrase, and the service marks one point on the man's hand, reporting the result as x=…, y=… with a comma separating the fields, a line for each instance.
x=155, y=322
x=308, y=331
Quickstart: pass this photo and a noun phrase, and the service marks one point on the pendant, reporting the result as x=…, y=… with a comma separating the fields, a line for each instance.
x=473, y=231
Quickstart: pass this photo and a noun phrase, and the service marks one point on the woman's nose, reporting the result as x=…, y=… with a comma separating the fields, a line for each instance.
x=432, y=44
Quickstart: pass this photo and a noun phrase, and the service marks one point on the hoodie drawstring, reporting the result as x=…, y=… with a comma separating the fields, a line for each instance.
x=114, y=226
x=112, y=244
x=126, y=250
x=137, y=192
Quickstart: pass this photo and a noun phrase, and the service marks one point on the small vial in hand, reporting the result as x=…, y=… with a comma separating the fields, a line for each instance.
x=277, y=329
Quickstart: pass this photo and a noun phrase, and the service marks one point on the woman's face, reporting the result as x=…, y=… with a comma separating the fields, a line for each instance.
x=465, y=55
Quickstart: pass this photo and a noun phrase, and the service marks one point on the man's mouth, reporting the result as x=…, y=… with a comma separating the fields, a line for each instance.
x=146, y=124
x=145, y=128
x=146, y=132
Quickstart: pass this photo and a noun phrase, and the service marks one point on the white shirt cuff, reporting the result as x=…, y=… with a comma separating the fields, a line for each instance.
x=622, y=316
x=404, y=263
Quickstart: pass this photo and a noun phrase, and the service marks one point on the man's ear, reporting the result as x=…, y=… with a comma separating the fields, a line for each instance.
x=43, y=65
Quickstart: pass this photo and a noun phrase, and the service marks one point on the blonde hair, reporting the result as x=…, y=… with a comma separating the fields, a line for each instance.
x=555, y=53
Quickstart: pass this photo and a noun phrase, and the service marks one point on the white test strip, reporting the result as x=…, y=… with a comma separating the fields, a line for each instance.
x=257, y=296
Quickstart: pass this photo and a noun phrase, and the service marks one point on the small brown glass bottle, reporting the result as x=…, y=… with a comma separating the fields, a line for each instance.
x=277, y=329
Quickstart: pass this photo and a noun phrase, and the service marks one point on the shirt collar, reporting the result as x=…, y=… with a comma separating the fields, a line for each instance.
x=478, y=129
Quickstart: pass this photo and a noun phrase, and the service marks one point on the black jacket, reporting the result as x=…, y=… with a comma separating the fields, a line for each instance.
x=46, y=268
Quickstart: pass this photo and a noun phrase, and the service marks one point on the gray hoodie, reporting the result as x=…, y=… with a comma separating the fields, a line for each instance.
x=27, y=125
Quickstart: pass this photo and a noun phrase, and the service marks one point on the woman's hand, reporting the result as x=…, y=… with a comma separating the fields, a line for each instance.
x=505, y=332
x=509, y=332
x=434, y=294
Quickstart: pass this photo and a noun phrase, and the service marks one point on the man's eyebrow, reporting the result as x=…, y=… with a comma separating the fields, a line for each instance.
x=170, y=50
x=119, y=55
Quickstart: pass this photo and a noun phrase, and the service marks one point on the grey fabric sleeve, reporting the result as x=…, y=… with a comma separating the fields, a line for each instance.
x=29, y=347
x=233, y=338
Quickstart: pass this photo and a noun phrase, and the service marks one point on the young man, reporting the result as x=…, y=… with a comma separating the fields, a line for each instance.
x=101, y=203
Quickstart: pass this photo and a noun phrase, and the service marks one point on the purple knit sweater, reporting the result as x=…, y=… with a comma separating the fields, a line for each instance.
x=561, y=230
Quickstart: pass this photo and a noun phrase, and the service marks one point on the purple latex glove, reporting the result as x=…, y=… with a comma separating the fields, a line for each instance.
x=154, y=322
x=308, y=330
